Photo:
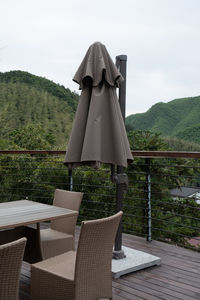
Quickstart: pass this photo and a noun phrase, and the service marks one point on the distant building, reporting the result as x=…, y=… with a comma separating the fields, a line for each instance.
x=186, y=192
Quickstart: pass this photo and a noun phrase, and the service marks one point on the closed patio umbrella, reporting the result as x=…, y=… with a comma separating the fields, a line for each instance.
x=98, y=133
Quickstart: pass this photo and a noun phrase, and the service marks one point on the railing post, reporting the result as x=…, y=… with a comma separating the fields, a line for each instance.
x=148, y=189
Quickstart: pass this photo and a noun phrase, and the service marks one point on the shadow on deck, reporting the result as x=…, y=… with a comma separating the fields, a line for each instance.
x=178, y=276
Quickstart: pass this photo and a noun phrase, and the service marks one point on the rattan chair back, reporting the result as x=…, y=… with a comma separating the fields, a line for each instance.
x=93, y=276
x=69, y=200
x=11, y=256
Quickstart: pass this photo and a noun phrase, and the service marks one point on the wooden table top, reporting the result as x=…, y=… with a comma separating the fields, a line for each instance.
x=24, y=212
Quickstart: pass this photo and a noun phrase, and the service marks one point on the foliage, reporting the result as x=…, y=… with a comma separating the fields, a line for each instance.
x=191, y=133
x=179, y=118
x=146, y=140
x=99, y=191
x=32, y=137
x=177, y=144
x=15, y=176
x=7, y=145
x=25, y=98
x=41, y=84
x=49, y=175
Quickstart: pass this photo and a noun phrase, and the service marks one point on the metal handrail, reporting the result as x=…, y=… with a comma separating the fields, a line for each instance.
x=135, y=153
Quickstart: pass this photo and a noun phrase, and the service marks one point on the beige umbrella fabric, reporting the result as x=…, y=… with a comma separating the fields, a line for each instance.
x=98, y=133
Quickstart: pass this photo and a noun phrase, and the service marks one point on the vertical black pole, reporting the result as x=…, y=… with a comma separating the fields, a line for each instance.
x=148, y=187
x=70, y=180
x=119, y=206
x=121, y=62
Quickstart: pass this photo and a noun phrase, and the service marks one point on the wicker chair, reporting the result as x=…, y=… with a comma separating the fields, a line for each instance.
x=11, y=256
x=59, y=238
x=82, y=275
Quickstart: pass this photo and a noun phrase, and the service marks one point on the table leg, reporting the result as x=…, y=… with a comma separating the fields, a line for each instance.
x=10, y=235
x=33, y=252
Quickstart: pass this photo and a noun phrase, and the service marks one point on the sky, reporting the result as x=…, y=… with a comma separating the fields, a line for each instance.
x=161, y=39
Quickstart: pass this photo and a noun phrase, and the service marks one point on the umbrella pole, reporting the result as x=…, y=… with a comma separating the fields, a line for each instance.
x=121, y=178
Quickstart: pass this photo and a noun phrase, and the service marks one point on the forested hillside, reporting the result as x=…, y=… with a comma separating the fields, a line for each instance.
x=178, y=118
x=26, y=99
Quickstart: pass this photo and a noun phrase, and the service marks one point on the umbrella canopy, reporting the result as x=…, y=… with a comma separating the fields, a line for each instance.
x=98, y=133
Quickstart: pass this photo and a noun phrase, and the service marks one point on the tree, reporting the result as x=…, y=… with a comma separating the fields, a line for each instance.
x=32, y=137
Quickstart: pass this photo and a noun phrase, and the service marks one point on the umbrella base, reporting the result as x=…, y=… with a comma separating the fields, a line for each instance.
x=135, y=260
x=118, y=254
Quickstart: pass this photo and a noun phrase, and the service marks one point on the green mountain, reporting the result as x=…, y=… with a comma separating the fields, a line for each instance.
x=29, y=99
x=178, y=118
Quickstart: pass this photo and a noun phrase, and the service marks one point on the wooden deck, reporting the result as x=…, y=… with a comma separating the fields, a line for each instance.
x=178, y=277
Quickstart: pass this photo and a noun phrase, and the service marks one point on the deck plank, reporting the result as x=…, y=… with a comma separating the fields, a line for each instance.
x=178, y=276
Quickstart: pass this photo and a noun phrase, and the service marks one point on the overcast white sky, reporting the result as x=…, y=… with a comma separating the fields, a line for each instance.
x=160, y=37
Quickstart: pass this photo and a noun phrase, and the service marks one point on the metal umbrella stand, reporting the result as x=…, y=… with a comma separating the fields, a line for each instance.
x=120, y=178
x=125, y=260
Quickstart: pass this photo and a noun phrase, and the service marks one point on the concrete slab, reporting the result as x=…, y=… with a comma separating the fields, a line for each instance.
x=135, y=260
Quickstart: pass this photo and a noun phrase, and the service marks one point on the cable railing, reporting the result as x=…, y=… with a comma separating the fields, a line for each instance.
x=162, y=201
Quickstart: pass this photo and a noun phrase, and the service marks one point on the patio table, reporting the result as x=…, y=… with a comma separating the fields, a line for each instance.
x=16, y=215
